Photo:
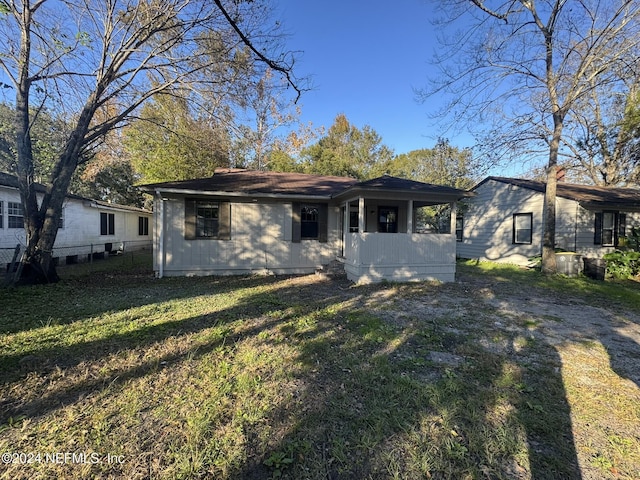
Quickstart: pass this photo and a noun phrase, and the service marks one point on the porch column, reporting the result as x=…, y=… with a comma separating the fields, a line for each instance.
x=454, y=213
x=345, y=226
x=345, y=220
x=410, y=216
x=362, y=215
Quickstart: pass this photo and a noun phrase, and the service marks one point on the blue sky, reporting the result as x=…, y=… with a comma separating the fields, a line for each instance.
x=365, y=59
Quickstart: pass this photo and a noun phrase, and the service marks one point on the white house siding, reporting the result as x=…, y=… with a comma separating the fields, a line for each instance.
x=488, y=223
x=260, y=242
x=80, y=233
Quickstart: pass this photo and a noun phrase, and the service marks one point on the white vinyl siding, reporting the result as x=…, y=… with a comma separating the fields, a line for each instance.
x=488, y=225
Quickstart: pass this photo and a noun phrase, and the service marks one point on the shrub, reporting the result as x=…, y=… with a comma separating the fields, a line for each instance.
x=623, y=264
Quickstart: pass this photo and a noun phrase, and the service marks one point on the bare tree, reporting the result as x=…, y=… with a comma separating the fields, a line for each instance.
x=84, y=55
x=605, y=135
x=522, y=67
x=268, y=110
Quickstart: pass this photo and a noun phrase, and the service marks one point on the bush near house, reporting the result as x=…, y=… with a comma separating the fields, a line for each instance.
x=625, y=263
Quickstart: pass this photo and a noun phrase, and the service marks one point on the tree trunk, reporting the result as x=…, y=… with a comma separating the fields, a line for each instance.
x=549, y=265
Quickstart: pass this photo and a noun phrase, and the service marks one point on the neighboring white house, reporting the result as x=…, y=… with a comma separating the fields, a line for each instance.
x=86, y=226
x=241, y=221
x=504, y=221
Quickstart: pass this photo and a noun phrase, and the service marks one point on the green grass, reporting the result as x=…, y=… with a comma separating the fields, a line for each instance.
x=304, y=377
x=623, y=291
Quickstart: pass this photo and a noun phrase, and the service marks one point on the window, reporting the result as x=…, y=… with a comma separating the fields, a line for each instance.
x=61, y=220
x=608, y=228
x=207, y=219
x=143, y=225
x=459, y=228
x=353, y=222
x=522, y=228
x=16, y=219
x=107, y=223
x=309, y=221
x=1, y=216
x=388, y=219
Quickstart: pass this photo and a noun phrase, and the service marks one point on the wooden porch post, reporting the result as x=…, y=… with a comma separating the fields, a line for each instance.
x=361, y=215
x=454, y=214
x=410, y=217
x=345, y=226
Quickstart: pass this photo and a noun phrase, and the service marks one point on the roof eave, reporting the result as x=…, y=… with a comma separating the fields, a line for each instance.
x=217, y=193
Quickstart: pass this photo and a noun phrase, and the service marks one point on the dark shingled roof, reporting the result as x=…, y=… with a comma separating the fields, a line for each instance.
x=253, y=182
x=250, y=182
x=9, y=180
x=389, y=183
x=587, y=195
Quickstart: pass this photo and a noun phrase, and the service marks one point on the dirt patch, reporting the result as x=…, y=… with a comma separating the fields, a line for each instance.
x=593, y=346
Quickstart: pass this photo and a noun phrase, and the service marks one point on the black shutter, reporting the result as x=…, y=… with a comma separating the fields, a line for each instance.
x=104, y=225
x=189, y=219
x=323, y=223
x=622, y=224
x=597, y=229
x=296, y=232
x=112, y=224
x=224, y=221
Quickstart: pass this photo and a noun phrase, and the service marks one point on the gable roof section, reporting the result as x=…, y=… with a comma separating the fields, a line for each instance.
x=395, y=185
x=588, y=196
x=241, y=182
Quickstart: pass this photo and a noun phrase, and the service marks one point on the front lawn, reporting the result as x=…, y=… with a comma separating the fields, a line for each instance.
x=121, y=375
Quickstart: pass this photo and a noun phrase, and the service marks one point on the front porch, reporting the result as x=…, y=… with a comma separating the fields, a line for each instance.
x=373, y=257
x=379, y=232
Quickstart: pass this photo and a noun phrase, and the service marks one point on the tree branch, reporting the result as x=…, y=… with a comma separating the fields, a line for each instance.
x=285, y=70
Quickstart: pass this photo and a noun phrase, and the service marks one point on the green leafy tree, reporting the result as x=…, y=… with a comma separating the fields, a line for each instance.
x=346, y=151
x=442, y=165
x=48, y=134
x=168, y=143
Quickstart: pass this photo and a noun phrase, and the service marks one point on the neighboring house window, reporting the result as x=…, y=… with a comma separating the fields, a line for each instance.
x=1, y=216
x=459, y=228
x=16, y=219
x=522, y=228
x=388, y=219
x=309, y=221
x=207, y=219
x=61, y=221
x=143, y=225
x=608, y=228
x=107, y=223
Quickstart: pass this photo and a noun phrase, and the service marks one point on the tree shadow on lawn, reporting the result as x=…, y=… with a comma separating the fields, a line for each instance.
x=376, y=404
x=370, y=401
x=87, y=297
x=43, y=361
